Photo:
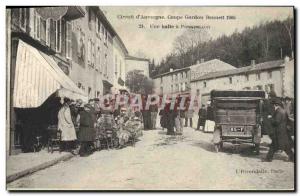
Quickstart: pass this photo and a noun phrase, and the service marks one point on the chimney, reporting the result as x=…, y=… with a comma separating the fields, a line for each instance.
x=171, y=69
x=202, y=60
x=252, y=62
x=286, y=59
x=198, y=62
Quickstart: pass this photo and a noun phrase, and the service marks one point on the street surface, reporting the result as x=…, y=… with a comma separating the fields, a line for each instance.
x=162, y=162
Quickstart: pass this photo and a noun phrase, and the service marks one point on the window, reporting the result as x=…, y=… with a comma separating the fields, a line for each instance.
x=23, y=18
x=204, y=84
x=89, y=92
x=58, y=36
x=230, y=80
x=161, y=90
x=105, y=65
x=48, y=31
x=89, y=51
x=184, y=75
x=90, y=18
x=258, y=76
x=69, y=40
x=98, y=94
x=269, y=74
x=79, y=85
x=247, y=77
x=177, y=88
x=198, y=92
x=36, y=25
x=98, y=56
x=43, y=29
x=93, y=54
x=172, y=89
x=161, y=80
x=116, y=65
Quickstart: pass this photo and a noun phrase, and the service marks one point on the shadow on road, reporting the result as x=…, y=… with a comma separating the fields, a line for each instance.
x=208, y=146
x=161, y=132
x=243, y=150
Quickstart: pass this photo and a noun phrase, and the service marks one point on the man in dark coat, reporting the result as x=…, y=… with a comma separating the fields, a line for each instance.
x=280, y=137
x=170, y=115
x=87, y=131
x=202, y=118
x=268, y=109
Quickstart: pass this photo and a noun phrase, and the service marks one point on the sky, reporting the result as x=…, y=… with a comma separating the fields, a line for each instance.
x=157, y=42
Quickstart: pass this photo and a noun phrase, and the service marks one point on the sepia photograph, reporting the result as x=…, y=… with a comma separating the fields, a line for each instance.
x=150, y=98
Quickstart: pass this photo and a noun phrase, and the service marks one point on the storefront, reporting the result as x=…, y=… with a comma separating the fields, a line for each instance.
x=39, y=85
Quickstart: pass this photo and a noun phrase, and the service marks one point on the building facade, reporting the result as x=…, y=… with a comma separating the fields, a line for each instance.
x=276, y=76
x=135, y=63
x=38, y=62
x=173, y=82
x=120, y=52
x=92, y=52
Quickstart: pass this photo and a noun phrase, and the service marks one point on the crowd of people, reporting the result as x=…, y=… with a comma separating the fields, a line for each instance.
x=91, y=127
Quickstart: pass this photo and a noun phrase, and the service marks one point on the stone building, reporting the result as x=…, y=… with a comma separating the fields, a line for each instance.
x=173, y=82
x=277, y=76
x=136, y=63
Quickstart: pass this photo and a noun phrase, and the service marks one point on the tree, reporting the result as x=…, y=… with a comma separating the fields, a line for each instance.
x=289, y=26
x=138, y=83
x=188, y=40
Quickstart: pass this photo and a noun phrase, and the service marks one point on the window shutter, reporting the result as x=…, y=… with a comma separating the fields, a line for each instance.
x=52, y=34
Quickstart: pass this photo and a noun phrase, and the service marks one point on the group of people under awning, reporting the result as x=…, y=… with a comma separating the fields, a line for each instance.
x=94, y=124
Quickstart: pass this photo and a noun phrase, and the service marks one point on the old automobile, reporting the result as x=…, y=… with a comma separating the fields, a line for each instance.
x=238, y=117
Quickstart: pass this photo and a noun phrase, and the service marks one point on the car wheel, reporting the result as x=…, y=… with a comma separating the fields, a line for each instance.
x=256, y=148
x=217, y=148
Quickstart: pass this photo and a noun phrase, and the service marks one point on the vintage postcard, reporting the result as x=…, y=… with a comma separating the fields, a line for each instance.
x=150, y=98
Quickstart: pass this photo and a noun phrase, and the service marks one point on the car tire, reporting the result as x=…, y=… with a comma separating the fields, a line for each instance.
x=256, y=148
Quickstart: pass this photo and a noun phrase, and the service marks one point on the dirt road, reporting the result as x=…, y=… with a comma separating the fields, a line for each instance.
x=164, y=162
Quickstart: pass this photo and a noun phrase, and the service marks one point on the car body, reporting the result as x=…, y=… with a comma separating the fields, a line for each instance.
x=238, y=117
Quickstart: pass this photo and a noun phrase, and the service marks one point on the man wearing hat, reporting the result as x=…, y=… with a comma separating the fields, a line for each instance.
x=97, y=107
x=87, y=132
x=280, y=137
x=202, y=118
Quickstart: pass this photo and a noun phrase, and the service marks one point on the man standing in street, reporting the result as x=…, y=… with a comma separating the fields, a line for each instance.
x=189, y=115
x=280, y=137
x=153, y=112
x=87, y=132
x=202, y=118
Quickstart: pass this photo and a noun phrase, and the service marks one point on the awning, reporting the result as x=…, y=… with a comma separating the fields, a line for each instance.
x=37, y=77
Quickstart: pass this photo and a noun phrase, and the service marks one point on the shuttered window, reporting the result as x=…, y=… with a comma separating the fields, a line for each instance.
x=69, y=40
x=58, y=36
x=23, y=18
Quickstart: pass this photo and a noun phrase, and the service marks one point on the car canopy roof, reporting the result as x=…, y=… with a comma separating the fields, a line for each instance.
x=252, y=94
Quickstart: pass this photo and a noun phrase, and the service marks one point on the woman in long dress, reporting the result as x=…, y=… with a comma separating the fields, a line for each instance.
x=66, y=126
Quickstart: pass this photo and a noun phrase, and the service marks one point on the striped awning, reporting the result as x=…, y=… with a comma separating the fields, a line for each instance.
x=37, y=76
